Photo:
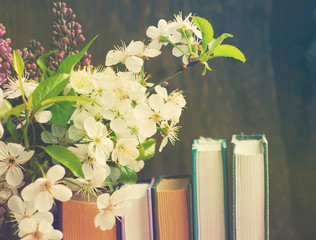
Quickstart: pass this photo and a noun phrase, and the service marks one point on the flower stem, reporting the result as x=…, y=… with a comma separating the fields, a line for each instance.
x=172, y=75
x=176, y=46
x=40, y=167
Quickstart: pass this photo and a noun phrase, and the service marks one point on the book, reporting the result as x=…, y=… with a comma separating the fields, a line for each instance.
x=209, y=180
x=138, y=221
x=250, y=187
x=172, y=208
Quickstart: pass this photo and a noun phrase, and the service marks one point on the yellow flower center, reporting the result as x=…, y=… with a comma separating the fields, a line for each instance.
x=46, y=186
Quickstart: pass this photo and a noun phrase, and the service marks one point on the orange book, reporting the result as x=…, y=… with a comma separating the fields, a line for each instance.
x=78, y=222
x=172, y=208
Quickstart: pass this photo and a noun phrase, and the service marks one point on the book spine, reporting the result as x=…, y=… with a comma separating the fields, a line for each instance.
x=266, y=175
x=224, y=161
x=194, y=189
x=150, y=210
x=233, y=193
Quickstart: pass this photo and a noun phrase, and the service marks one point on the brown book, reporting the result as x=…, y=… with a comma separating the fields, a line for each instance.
x=172, y=211
x=78, y=222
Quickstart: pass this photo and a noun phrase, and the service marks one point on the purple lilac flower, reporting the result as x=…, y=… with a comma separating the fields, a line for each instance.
x=5, y=56
x=30, y=54
x=65, y=35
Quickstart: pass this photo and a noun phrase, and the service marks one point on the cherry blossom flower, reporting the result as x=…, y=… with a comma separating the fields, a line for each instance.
x=13, y=89
x=110, y=207
x=125, y=151
x=131, y=56
x=22, y=209
x=93, y=183
x=97, y=138
x=44, y=190
x=162, y=31
x=169, y=132
x=32, y=229
x=12, y=156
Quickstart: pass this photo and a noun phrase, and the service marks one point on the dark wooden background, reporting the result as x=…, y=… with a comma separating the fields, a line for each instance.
x=272, y=93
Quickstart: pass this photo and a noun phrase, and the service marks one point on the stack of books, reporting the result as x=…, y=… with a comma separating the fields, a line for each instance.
x=195, y=207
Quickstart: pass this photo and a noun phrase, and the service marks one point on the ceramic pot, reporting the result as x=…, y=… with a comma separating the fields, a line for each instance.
x=78, y=221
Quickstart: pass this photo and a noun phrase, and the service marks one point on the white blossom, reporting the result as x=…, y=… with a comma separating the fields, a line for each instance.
x=110, y=207
x=12, y=156
x=44, y=190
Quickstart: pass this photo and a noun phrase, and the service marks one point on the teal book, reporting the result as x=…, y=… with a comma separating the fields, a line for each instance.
x=172, y=208
x=250, y=187
x=209, y=182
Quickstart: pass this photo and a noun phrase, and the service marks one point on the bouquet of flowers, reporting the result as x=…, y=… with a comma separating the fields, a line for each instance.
x=69, y=129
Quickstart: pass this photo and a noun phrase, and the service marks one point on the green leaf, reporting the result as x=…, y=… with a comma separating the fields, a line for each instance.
x=12, y=129
x=67, y=158
x=18, y=64
x=68, y=64
x=16, y=110
x=67, y=99
x=42, y=63
x=216, y=42
x=206, y=29
x=60, y=115
x=62, y=111
x=49, y=88
x=147, y=149
x=128, y=175
x=229, y=51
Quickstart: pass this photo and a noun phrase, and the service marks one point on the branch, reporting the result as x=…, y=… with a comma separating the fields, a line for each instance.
x=172, y=75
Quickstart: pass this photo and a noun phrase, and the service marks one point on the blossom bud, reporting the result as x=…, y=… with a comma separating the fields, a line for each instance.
x=86, y=62
x=81, y=38
x=65, y=40
x=8, y=40
x=64, y=28
x=33, y=66
x=6, y=65
x=73, y=16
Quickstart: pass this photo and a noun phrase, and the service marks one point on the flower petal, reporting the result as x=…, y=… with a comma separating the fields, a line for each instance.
x=44, y=216
x=103, y=201
x=118, y=125
x=153, y=32
x=25, y=156
x=45, y=227
x=61, y=192
x=134, y=64
x=134, y=48
x=113, y=57
x=30, y=191
x=43, y=116
x=14, y=176
x=27, y=225
x=44, y=201
x=16, y=205
x=55, y=173
x=105, y=221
